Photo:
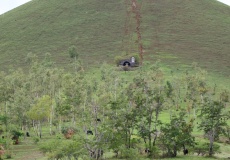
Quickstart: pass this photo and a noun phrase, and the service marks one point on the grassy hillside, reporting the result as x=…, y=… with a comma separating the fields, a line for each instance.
x=177, y=32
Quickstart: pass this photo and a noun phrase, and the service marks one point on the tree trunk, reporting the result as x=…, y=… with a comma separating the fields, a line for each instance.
x=51, y=119
x=211, y=140
x=211, y=150
x=40, y=129
x=59, y=125
x=35, y=127
x=174, y=153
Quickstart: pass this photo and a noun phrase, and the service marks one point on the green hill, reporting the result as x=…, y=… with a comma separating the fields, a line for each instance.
x=175, y=31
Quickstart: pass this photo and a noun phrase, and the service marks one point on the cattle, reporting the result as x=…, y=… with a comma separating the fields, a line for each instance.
x=147, y=150
x=27, y=134
x=185, y=151
x=89, y=132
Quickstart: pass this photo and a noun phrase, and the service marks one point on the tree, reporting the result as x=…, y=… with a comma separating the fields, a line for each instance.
x=74, y=55
x=177, y=134
x=213, y=120
x=147, y=93
x=196, y=87
x=40, y=111
x=73, y=52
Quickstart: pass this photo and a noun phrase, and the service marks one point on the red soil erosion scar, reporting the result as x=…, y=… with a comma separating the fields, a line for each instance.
x=136, y=9
x=132, y=25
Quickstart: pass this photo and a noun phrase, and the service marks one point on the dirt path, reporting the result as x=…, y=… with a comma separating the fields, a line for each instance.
x=32, y=156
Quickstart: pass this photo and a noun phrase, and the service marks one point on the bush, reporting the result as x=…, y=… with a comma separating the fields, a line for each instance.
x=129, y=153
x=2, y=142
x=68, y=132
x=117, y=60
x=35, y=140
x=16, y=134
x=8, y=155
x=2, y=151
x=202, y=148
x=57, y=149
x=50, y=145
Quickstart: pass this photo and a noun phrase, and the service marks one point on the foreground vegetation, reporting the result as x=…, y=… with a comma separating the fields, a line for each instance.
x=111, y=113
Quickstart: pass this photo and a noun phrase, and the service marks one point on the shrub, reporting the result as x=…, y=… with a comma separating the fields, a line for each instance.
x=227, y=134
x=61, y=149
x=68, y=132
x=8, y=154
x=16, y=134
x=2, y=151
x=117, y=60
x=202, y=148
x=50, y=145
x=129, y=153
x=35, y=140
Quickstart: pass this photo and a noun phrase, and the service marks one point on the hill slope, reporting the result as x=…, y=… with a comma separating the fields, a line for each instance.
x=183, y=29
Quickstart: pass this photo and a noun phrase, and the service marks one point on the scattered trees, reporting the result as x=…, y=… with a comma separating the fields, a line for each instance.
x=119, y=113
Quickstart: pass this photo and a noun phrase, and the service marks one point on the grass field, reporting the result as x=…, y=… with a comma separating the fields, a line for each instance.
x=177, y=32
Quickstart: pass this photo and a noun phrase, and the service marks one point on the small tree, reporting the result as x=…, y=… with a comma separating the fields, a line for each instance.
x=212, y=120
x=40, y=111
x=73, y=52
x=177, y=134
x=202, y=148
x=16, y=134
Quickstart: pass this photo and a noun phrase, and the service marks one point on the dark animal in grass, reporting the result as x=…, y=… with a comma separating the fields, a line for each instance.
x=147, y=150
x=98, y=120
x=89, y=132
x=27, y=134
x=185, y=151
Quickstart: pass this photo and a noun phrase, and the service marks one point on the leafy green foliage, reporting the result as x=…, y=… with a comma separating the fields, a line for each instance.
x=202, y=148
x=59, y=148
x=129, y=153
x=35, y=140
x=177, y=135
x=17, y=134
x=73, y=52
x=212, y=120
x=42, y=109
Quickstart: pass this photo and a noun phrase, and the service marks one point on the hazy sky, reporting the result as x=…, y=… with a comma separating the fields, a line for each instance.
x=225, y=1
x=6, y=5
